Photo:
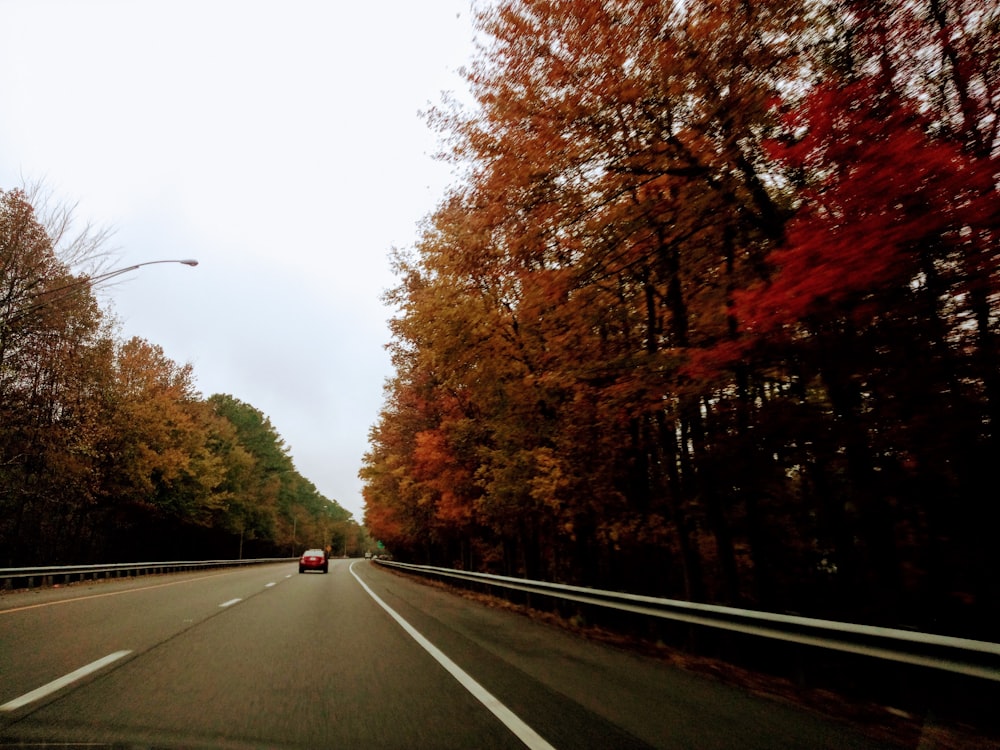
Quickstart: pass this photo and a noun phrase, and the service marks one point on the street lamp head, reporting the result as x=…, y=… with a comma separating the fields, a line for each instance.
x=189, y=262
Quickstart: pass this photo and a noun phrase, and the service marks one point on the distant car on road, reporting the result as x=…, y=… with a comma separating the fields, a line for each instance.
x=313, y=559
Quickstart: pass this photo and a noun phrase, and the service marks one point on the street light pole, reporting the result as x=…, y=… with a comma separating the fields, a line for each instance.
x=119, y=271
x=91, y=282
x=102, y=277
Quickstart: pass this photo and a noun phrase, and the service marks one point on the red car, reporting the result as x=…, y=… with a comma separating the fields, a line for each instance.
x=313, y=559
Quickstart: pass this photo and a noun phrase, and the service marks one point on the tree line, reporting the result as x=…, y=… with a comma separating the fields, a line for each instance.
x=108, y=452
x=712, y=312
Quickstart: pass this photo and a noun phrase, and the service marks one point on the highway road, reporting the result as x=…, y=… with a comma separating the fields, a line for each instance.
x=264, y=657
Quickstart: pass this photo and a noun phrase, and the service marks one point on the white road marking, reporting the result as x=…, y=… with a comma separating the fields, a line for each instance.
x=522, y=731
x=109, y=593
x=269, y=585
x=62, y=682
x=230, y=603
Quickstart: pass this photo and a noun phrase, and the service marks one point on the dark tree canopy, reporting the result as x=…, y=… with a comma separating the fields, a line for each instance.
x=107, y=450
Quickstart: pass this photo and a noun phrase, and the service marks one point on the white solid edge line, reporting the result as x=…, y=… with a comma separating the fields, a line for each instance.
x=230, y=603
x=62, y=682
x=522, y=731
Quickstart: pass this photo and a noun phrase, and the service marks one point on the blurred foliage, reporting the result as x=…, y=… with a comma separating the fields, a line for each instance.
x=713, y=313
x=107, y=451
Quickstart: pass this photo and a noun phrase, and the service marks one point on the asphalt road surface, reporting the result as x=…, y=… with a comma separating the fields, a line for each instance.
x=264, y=657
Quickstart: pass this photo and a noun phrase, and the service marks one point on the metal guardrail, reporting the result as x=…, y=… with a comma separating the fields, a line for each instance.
x=959, y=655
x=47, y=575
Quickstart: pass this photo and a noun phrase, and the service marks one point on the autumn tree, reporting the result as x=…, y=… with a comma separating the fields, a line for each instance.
x=268, y=501
x=601, y=149
x=878, y=324
x=107, y=450
x=664, y=334
x=52, y=351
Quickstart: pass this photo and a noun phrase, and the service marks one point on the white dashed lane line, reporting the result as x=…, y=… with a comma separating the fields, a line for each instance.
x=82, y=672
x=63, y=681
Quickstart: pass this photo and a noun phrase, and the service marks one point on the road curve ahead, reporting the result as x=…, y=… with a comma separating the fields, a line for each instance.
x=361, y=657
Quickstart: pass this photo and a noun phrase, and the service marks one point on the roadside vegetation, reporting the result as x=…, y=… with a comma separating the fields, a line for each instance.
x=108, y=453
x=713, y=311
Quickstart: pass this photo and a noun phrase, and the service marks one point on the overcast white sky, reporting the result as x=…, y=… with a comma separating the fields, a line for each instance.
x=279, y=144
